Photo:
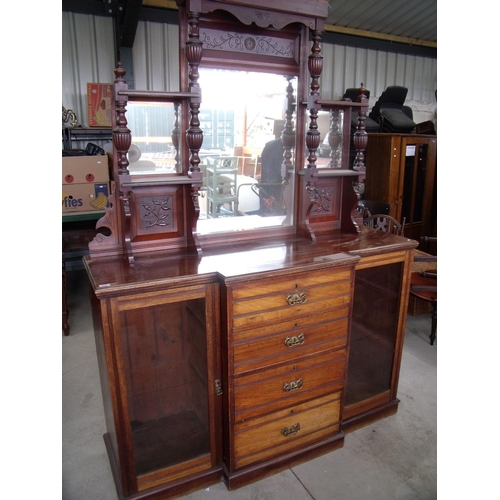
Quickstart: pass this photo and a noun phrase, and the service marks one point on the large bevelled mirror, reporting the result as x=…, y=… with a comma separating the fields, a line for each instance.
x=247, y=155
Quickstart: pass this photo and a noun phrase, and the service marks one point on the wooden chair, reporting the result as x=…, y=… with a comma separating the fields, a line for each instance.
x=369, y=207
x=386, y=223
x=423, y=283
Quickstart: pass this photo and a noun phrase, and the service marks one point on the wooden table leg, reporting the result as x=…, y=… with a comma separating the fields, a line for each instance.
x=434, y=322
x=65, y=312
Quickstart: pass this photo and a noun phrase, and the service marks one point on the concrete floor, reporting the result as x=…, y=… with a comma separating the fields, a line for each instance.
x=394, y=458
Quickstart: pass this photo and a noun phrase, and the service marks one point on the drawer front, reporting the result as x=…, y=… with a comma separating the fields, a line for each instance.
x=276, y=308
x=272, y=301
x=264, y=346
x=285, y=430
x=277, y=388
x=274, y=285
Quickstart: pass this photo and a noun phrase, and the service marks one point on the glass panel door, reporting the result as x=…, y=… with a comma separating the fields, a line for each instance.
x=373, y=332
x=165, y=365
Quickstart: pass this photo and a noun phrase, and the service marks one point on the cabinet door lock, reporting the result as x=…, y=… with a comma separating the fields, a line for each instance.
x=218, y=387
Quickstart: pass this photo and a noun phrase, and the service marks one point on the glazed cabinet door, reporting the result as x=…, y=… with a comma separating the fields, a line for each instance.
x=166, y=391
x=377, y=334
x=383, y=171
x=418, y=186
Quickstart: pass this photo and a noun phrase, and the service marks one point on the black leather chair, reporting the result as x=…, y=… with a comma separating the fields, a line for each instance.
x=371, y=125
x=389, y=113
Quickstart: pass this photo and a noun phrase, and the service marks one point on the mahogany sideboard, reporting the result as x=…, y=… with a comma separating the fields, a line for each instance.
x=246, y=360
x=237, y=352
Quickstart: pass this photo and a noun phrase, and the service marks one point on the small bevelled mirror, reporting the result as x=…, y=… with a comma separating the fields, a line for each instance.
x=154, y=127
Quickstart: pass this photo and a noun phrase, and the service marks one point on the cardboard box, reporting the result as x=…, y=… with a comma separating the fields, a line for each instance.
x=90, y=197
x=99, y=104
x=85, y=169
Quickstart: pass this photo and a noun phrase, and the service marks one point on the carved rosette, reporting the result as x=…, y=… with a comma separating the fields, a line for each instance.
x=322, y=199
x=156, y=212
x=251, y=44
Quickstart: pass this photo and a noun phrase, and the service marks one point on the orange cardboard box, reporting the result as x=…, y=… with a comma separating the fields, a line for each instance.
x=99, y=104
x=85, y=183
x=85, y=169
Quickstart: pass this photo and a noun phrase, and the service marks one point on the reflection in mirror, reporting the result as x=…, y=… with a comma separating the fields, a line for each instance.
x=154, y=127
x=330, y=126
x=246, y=160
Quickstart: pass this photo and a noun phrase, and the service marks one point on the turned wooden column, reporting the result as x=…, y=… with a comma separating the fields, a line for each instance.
x=315, y=65
x=122, y=139
x=194, y=134
x=121, y=133
x=288, y=138
x=176, y=140
x=360, y=138
x=194, y=52
x=288, y=134
x=335, y=136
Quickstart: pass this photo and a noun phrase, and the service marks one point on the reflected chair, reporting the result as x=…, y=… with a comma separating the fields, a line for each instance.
x=221, y=174
x=423, y=283
x=383, y=222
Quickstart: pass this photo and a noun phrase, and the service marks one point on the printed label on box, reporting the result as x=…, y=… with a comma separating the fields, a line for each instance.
x=84, y=197
x=99, y=104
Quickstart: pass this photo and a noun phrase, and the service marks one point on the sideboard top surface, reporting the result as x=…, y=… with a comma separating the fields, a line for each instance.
x=109, y=276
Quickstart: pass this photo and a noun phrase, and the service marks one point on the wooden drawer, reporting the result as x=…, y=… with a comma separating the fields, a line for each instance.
x=274, y=389
x=282, y=431
x=268, y=345
x=274, y=301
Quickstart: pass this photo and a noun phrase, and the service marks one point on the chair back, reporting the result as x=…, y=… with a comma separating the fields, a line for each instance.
x=383, y=222
x=369, y=207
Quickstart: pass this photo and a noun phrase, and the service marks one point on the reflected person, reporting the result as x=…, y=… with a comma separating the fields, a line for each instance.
x=270, y=186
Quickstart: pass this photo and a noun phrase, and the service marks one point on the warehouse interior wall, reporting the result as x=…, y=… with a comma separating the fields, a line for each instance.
x=88, y=55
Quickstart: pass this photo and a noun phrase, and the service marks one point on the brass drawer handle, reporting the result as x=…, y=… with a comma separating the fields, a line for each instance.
x=291, y=431
x=292, y=386
x=296, y=298
x=295, y=340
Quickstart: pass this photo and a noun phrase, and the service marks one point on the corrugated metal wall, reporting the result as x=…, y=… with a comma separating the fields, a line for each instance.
x=345, y=67
x=156, y=56
x=88, y=56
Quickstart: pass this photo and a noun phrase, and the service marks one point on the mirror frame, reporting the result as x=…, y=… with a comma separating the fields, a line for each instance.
x=196, y=28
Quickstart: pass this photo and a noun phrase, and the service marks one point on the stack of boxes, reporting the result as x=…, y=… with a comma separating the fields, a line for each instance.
x=85, y=183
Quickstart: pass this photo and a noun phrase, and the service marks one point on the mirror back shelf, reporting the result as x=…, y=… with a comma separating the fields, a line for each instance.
x=235, y=51
x=153, y=205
